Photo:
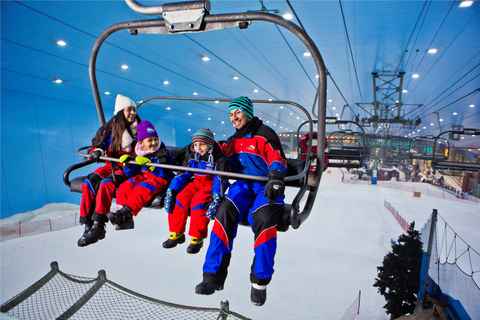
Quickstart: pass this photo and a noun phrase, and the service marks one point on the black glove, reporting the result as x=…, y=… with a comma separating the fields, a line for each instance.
x=275, y=186
x=95, y=156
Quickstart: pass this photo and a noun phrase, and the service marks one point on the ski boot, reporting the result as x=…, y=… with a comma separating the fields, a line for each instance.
x=96, y=232
x=207, y=288
x=82, y=241
x=258, y=294
x=122, y=219
x=174, y=239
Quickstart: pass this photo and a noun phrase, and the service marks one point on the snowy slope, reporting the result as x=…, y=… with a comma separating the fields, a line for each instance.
x=319, y=268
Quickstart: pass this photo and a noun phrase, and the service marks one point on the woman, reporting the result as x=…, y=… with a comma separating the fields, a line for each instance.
x=114, y=139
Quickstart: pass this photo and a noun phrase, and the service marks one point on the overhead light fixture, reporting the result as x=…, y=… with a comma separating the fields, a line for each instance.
x=424, y=127
x=222, y=122
x=189, y=113
x=124, y=66
x=416, y=75
x=235, y=78
x=317, y=76
x=216, y=101
x=255, y=90
x=465, y=4
x=166, y=82
x=195, y=93
x=58, y=80
x=107, y=93
x=61, y=43
x=307, y=54
x=472, y=106
x=189, y=129
x=431, y=124
x=287, y=16
x=454, y=113
x=168, y=108
x=432, y=50
x=209, y=119
x=405, y=91
x=205, y=58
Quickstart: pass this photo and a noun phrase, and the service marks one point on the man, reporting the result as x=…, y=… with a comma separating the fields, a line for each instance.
x=254, y=149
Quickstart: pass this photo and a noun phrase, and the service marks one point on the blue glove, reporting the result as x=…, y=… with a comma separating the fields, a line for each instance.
x=275, y=186
x=212, y=208
x=170, y=200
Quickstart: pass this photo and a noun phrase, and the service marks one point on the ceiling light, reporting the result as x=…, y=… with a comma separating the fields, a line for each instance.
x=205, y=58
x=307, y=54
x=209, y=119
x=405, y=91
x=281, y=107
x=433, y=50
x=255, y=90
x=189, y=129
x=222, y=122
x=454, y=113
x=287, y=16
x=424, y=127
x=61, y=43
x=58, y=81
x=124, y=66
x=334, y=108
x=415, y=75
x=195, y=93
x=189, y=113
x=166, y=82
x=107, y=93
x=317, y=76
x=235, y=78
x=216, y=101
x=465, y=4
x=431, y=124
x=472, y=106
x=272, y=100
x=330, y=100
x=168, y=108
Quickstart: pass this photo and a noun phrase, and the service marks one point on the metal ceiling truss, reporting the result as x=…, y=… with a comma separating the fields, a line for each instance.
x=387, y=103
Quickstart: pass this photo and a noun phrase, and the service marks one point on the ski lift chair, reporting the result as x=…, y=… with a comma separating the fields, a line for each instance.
x=194, y=17
x=445, y=163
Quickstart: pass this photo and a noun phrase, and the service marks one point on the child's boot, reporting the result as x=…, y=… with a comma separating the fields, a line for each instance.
x=195, y=245
x=96, y=232
x=122, y=219
x=174, y=239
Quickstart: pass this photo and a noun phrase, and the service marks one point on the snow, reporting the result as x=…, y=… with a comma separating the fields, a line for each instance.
x=319, y=268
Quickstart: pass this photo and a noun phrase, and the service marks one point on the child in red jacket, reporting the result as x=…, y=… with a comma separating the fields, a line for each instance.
x=145, y=181
x=191, y=193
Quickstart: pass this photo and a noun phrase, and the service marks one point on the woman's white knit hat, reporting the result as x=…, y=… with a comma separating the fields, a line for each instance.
x=123, y=102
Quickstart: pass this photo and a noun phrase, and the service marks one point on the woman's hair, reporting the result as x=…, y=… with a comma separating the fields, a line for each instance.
x=114, y=128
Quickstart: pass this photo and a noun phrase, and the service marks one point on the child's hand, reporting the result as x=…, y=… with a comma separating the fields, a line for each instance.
x=212, y=208
x=96, y=154
x=125, y=159
x=142, y=160
x=170, y=200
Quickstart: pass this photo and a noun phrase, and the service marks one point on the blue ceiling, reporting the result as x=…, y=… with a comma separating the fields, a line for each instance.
x=355, y=39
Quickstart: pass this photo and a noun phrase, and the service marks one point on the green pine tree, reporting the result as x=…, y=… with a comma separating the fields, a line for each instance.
x=399, y=277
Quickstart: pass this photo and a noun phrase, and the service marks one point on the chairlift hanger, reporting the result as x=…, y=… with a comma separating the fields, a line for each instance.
x=349, y=158
x=455, y=165
x=427, y=156
x=194, y=17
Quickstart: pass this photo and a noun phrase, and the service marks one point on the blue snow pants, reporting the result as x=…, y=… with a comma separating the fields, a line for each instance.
x=244, y=199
